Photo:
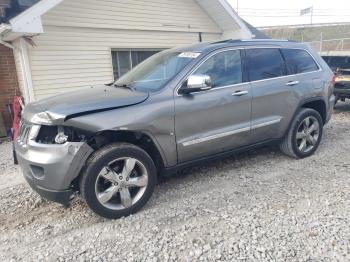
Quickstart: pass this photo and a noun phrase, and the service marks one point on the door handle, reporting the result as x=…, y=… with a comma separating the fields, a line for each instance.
x=240, y=93
x=292, y=83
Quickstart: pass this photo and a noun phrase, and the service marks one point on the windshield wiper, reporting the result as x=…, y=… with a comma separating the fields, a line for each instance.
x=109, y=84
x=123, y=86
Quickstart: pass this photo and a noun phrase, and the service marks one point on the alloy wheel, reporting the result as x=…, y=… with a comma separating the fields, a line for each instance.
x=121, y=183
x=307, y=134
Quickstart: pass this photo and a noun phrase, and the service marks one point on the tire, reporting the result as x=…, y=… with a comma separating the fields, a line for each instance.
x=292, y=144
x=15, y=160
x=336, y=101
x=103, y=171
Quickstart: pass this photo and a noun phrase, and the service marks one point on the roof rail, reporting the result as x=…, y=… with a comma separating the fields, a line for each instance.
x=266, y=40
x=222, y=41
x=251, y=40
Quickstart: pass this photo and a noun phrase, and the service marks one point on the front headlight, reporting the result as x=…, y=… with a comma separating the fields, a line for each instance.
x=50, y=134
x=61, y=137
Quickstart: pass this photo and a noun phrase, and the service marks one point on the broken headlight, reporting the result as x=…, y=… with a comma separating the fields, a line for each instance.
x=59, y=135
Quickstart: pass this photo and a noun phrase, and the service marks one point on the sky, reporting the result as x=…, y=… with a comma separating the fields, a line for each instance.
x=262, y=13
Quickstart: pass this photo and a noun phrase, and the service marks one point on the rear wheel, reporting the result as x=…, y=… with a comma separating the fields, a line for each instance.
x=304, y=135
x=118, y=180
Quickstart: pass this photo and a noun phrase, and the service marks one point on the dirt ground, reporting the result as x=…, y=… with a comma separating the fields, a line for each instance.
x=256, y=206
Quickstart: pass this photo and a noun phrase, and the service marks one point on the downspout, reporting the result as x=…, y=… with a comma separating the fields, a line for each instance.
x=26, y=71
x=25, y=68
x=24, y=61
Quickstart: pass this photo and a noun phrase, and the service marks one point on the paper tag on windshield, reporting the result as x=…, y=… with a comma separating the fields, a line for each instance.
x=189, y=55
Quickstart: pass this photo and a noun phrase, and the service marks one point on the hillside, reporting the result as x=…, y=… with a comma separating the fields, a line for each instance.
x=308, y=34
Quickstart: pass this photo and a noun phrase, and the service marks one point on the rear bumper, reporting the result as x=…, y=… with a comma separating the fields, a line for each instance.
x=339, y=92
x=342, y=89
x=50, y=169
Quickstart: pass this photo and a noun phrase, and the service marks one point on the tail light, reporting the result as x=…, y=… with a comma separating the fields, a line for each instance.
x=333, y=79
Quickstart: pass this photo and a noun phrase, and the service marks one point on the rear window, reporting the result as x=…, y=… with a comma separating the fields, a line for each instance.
x=264, y=63
x=298, y=61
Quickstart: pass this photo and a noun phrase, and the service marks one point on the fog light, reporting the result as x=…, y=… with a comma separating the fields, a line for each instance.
x=61, y=138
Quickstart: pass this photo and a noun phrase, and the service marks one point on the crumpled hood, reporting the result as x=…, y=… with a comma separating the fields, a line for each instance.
x=84, y=101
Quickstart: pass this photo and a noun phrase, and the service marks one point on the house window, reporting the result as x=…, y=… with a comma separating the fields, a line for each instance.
x=124, y=60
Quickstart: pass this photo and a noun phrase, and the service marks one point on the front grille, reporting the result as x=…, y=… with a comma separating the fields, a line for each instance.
x=24, y=133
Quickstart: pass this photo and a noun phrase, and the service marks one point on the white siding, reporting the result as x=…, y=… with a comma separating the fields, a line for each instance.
x=163, y=15
x=75, y=50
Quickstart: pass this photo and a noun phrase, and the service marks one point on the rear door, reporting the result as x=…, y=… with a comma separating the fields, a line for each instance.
x=272, y=93
x=303, y=68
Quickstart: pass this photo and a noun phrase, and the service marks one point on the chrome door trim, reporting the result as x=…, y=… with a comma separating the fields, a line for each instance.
x=211, y=137
x=229, y=133
x=268, y=123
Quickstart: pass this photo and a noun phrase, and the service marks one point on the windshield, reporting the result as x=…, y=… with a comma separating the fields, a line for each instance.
x=152, y=74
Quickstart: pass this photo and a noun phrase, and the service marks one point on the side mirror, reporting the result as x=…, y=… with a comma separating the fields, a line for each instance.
x=196, y=83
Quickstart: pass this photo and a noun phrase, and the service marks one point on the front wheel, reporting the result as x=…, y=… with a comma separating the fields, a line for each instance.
x=118, y=180
x=304, y=134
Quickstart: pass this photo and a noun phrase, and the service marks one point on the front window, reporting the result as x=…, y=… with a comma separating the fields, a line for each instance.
x=152, y=74
x=224, y=68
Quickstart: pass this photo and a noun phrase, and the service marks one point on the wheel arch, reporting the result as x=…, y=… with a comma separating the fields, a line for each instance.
x=141, y=139
x=318, y=104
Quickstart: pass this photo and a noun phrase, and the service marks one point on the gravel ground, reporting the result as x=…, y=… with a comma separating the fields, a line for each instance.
x=256, y=206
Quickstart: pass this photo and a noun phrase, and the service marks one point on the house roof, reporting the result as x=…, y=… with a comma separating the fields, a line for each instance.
x=13, y=8
x=256, y=32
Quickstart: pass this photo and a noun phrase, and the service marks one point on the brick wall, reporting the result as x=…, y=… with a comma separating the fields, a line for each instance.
x=8, y=81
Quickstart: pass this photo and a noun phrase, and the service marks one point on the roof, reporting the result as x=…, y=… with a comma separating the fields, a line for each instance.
x=14, y=8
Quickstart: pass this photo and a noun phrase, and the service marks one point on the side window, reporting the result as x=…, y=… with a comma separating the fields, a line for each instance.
x=298, y=61
x=264, y=63
x=224, y=68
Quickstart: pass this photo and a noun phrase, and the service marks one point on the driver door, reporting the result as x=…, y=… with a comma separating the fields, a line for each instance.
x=215, y=120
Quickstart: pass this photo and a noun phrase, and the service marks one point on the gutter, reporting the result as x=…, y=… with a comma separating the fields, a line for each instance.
x=4, y=29
x=7, y=44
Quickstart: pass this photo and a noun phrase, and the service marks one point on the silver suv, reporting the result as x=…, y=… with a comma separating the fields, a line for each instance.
x=179, y=107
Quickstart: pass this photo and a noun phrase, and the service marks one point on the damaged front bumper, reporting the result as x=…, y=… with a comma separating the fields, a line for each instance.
x=50, y=168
